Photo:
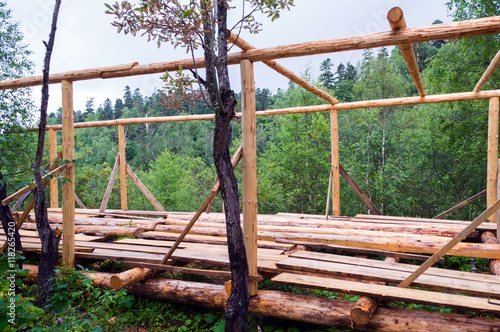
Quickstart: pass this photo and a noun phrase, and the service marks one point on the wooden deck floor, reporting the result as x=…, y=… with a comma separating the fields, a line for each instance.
x=278, y=258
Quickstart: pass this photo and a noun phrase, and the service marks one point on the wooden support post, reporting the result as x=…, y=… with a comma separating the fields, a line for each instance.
x=31, y=203
x=54, y=199
x=123, y=167
x=79, y=202
x=249, y=169
x=397, y=21
x=129, y=277
x=68, y=145
x=491, y=184
x=335, y=163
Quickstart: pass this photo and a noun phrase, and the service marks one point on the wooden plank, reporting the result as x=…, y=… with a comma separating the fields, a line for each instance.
x=54, y=200
x=329, y=192
x=419, y=221
x=249, y=168
x=109, y=188
x=123, y=172
x=459, y=237
x=438, y=283
x=486, y=278
x=389, y=293
x=492, y=170
x=397, y=22
x=68, y=148
x=98, y=230
x=363, y=251
x=270, y=233
x=334, y=129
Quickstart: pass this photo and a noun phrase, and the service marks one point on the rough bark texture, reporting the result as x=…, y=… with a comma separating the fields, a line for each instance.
x=8, y=222
x=49, y=238
x=490, y=238
x=223, y=101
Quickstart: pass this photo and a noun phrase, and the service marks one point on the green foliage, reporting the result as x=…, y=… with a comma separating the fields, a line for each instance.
x=16, y=109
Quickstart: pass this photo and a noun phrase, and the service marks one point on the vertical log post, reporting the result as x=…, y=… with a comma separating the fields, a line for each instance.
x=335, y=163
x=249, y=170
x=54, y=199
x=491, y=185
x=68, y=145
x=123, y=166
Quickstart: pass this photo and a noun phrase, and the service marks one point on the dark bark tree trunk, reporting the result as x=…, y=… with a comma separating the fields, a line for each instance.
x=9, y=224
x=48, y=237
x=223, y=101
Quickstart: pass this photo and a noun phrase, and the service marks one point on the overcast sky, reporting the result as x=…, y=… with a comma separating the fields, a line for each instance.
x=86, y=39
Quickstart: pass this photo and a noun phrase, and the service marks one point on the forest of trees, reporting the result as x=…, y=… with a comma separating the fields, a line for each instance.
x=409, y=160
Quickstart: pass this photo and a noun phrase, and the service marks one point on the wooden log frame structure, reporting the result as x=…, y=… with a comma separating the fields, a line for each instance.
x=399, y=35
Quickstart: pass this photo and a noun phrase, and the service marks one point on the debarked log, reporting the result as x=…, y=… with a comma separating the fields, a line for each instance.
x=490, y=238
x=129, y=277
x=309, y=309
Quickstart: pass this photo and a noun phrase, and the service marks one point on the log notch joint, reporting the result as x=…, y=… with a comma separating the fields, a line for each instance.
x=397, y=21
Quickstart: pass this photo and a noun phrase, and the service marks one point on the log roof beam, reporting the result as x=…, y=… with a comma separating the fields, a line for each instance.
x=397, y=22
x=462, y=29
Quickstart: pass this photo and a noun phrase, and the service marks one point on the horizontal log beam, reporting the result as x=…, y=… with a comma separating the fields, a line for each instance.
x=470, y=28
x=445, y=98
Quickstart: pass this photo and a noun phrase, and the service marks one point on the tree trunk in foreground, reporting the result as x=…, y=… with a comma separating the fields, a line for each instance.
x=48, y=237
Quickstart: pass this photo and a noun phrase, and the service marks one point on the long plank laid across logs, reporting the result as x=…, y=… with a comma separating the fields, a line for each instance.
x=459, y=302
x=438, y=279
